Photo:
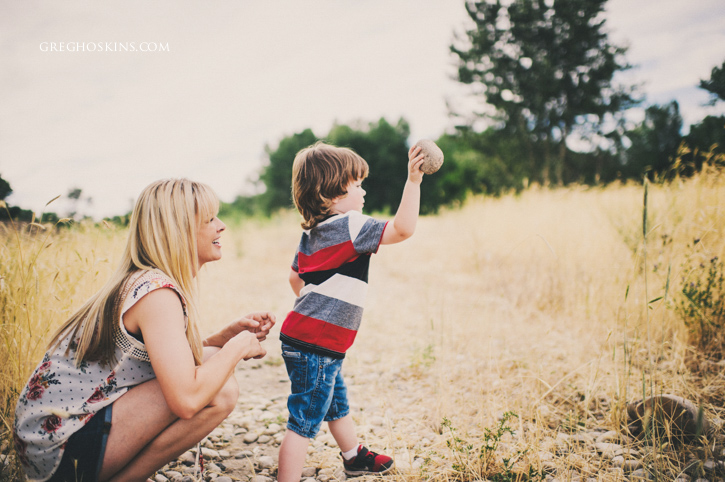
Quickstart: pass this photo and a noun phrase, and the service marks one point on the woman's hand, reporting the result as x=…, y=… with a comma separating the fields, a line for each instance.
x=248, y=344
x=265, y=320
x=259, y=323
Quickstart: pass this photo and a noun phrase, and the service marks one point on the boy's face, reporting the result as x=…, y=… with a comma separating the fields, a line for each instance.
x=354, y=200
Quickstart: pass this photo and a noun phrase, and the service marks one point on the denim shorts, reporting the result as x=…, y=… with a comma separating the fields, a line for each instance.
x=318, y=390
x=83, y=455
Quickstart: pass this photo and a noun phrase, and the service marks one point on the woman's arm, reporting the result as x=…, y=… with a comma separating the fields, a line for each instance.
x=187, y=388
x=258, y=323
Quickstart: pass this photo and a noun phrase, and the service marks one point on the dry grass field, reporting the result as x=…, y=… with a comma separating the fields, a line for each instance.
x=551, y=304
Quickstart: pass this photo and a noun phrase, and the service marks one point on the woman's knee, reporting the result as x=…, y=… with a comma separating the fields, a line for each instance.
x=227, y=397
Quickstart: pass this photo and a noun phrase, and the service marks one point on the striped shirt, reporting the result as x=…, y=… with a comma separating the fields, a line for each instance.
x=333, y=260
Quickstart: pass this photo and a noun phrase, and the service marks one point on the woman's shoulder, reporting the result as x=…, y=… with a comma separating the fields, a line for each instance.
x=143, y=282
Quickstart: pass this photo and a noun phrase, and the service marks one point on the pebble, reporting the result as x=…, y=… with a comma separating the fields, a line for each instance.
x=209, y=453
x=244, y=454
x=709, y=466
x=265, y=462
x=608, y=449
x=632, y=466
x=261, y=478
x=640, y=474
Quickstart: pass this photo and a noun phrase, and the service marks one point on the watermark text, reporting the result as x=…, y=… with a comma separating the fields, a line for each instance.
x=104, y=47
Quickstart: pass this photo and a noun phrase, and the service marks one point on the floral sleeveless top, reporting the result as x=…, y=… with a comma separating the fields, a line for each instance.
x=60, y=398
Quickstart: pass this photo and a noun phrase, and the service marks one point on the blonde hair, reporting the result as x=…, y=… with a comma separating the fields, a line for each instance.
x=321, y=173
x=162, y=237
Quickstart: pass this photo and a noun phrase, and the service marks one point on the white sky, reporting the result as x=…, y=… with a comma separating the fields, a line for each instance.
x=242, y=75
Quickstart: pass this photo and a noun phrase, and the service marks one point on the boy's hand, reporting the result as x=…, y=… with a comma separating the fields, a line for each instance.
x=415, y=160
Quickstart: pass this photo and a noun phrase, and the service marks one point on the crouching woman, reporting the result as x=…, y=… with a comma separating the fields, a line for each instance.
x=127, y=383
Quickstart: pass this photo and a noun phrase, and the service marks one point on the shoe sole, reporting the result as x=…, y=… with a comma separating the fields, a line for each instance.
x=357, y=473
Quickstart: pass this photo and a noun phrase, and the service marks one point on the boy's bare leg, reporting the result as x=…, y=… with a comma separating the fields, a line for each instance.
x=292, y=456
x=343, y=429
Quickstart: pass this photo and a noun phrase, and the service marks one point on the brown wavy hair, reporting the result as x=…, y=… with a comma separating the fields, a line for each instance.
x=321, y=173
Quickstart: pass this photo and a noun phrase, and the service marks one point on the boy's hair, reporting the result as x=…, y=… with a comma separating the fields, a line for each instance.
x=321, y=173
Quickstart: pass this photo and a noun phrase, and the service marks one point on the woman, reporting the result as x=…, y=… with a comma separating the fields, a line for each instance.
x=127, y=384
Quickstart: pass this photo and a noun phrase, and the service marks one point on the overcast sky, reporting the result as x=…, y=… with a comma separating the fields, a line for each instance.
x=229, y=77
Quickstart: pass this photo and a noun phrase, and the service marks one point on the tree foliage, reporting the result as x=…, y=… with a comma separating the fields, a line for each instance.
x=5, y=189
x=716, y=83
x=277, y=173
x=705, y=142
x=546, y=68
x=385, y=148
x=655, y=141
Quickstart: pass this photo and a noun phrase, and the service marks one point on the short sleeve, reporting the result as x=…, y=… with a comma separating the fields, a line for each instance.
x=365, y=232
x=137, y=287
x=144, y=284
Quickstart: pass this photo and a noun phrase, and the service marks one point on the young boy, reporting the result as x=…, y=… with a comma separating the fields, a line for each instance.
x=329, y=276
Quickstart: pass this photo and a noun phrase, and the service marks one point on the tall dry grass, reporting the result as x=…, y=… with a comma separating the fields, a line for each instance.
x=552, y=304
x=45, y=272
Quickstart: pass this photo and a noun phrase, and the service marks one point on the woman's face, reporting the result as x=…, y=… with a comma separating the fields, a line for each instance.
x=208, y=242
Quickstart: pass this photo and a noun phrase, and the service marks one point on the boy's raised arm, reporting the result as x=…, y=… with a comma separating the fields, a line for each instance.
x=403, y=225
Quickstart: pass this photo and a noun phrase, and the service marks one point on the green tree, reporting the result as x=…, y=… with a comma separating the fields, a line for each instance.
x=385, y=148
x=546, y=68
x=715, y=84
x=655, y=141
x=277, y=173
x=706, y=140
x=5, y=189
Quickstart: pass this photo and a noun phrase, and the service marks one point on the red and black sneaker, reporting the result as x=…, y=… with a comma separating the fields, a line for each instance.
x=367, y=462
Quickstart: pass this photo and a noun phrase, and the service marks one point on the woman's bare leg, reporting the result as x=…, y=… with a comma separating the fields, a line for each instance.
x=145, y=434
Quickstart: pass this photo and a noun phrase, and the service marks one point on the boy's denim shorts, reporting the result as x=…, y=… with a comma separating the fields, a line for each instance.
x=318, y=390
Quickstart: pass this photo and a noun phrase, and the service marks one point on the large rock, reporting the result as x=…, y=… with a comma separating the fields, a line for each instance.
x=679, y=419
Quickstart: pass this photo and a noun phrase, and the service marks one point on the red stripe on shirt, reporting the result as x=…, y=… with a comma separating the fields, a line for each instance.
x=327, y=258
x=318, y=332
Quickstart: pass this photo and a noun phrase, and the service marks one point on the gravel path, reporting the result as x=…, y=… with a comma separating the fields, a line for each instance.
x=246, y=445
x=392, y=418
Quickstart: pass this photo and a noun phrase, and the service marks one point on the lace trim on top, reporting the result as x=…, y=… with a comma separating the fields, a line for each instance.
x=149, y=281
